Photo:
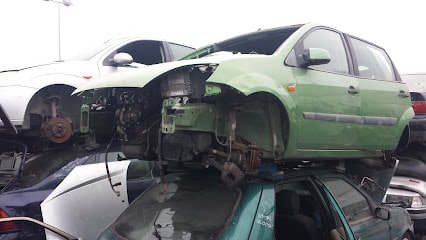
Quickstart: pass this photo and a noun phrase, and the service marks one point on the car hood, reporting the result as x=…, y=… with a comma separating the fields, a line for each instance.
x=140, y=77
x=22, y=77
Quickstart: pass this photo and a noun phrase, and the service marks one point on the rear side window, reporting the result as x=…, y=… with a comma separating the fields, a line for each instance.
x=371, y=61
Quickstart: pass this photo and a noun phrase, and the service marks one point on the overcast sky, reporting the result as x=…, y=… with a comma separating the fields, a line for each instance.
x=29, y=28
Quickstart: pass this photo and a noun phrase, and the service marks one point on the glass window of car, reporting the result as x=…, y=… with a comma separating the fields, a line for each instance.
x=39, y=166
x=372, y=61
x=354, y=205
x=332, y=42
x=187, y=206
x=179, y=50
x=144, y=52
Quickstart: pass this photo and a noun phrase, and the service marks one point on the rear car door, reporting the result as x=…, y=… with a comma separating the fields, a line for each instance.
x=384, y=98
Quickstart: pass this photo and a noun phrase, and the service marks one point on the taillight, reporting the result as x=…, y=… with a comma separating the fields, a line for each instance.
x=419, y=106
x=6, y=226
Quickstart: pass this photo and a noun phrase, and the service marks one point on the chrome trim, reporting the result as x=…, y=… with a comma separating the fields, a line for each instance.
x=345, y=118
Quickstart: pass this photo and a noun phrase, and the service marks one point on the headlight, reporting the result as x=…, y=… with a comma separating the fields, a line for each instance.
x=416, y=202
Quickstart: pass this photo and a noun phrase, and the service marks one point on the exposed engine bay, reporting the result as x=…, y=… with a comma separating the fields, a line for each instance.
x=180, y=118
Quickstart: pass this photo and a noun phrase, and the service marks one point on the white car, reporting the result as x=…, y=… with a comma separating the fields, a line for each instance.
x=38, y=101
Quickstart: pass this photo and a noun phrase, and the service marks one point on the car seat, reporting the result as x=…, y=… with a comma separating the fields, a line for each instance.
x=290, y=223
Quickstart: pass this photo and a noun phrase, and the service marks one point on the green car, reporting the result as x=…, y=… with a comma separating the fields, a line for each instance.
x=305, y=204
x=301, y=92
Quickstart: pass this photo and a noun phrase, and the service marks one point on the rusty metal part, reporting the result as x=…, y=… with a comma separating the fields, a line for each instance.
x=57, y=130
x=232, y=175
x=245, y=156
x=251, y=166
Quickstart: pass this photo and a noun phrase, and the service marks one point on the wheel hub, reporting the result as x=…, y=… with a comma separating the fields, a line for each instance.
x=57, y=130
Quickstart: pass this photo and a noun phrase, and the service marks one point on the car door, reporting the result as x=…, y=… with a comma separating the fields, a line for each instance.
x=327, y=98
x=357, y=210
x=384, y=98
x=302, y=208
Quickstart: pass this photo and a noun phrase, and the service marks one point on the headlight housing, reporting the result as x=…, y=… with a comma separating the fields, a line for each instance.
x=416, y=201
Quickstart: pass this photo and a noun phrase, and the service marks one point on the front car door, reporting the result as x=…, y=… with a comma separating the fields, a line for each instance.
x=357, y=210
x=384, y=98
x=328, y=103
x=143, y=52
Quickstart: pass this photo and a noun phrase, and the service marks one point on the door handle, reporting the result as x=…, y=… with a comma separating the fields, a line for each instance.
x=353, y=90
x=403, y=94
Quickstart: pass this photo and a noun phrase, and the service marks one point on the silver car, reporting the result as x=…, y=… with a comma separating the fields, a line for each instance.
x=38, y=100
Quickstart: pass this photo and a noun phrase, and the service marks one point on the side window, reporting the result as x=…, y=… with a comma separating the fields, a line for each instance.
x=179, y=51
x=372, y=62
x=332, y=42
x=351, y=201
x=143, y=52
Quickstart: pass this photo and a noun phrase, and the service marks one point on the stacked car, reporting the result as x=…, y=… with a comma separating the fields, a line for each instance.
x=286, y=133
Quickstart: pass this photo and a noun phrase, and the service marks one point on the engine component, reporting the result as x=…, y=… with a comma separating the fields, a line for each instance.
x=128, y=115
x=84, y=118
x=177, y=147
x=189, y=82
x=176, y=84
x=231, y=175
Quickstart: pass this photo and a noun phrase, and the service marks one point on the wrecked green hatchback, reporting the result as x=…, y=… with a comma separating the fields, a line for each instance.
x=301, y=92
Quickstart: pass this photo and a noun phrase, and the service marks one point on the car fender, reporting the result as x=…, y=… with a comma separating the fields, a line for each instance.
x=405, y=118
x=400, y=218
x=57, y=79
x=237, y=75
x=19, y=96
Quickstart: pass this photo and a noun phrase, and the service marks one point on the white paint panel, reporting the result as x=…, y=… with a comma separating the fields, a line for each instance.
x=84, y=204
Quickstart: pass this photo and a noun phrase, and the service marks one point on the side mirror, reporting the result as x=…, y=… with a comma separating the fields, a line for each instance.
x=382, y=213
x=314, y=56
x=122, y=59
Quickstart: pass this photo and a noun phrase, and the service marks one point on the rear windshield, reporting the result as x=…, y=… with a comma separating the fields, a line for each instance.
x=39, y=166
x=189, y=206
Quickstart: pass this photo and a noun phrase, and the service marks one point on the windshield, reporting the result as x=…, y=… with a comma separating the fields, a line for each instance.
x=90, y=52
x=260, y=42
x=187, y=206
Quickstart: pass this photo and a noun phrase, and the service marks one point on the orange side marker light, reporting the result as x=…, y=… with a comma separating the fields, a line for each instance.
x=291, y=88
